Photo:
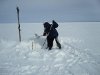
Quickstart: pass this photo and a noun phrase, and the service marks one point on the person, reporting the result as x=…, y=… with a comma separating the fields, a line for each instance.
x=51, y=33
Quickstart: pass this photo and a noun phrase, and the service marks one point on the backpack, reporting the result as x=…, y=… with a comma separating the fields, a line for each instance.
x=55, y=24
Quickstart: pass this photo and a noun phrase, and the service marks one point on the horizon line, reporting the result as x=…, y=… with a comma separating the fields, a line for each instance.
x=56, y=21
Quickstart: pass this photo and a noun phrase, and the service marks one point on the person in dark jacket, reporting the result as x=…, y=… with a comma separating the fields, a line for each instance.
x=51, y=33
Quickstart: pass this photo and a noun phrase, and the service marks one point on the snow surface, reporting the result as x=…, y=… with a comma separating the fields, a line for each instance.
x=77, y=56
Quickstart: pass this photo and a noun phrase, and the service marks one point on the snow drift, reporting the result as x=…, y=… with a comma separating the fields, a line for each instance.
x=20, y=59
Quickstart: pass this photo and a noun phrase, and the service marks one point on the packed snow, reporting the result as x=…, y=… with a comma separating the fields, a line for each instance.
x=78, y=56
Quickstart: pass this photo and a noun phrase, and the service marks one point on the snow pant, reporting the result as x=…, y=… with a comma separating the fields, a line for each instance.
x=50, y=42
x=57, y=42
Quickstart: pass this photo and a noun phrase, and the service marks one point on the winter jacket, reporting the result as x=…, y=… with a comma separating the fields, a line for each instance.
x=50, y=31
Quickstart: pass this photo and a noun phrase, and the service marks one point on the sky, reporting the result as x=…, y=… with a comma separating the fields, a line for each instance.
x=47, y=10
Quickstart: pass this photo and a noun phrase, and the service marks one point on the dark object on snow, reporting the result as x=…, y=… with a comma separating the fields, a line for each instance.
x=51, y=33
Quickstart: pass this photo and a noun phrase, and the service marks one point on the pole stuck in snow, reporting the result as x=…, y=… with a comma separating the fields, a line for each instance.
x=32, y=45
x=18, y=23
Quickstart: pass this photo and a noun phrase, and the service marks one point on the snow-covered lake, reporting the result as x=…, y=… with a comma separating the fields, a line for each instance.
x=80, y=52
x=87, y=31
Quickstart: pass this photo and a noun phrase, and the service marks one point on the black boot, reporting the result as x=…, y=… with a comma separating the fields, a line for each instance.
x=50, y=48
x=59, y=45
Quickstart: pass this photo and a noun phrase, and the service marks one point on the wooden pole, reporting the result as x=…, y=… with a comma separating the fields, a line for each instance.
x=18, y=24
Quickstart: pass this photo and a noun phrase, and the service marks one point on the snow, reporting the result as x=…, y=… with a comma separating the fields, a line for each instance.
x=77, y=56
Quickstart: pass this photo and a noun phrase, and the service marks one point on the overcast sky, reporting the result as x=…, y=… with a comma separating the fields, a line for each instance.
x=46, y=10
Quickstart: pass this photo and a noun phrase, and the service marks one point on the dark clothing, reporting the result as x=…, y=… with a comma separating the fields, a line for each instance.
x=57, y=42
x=52, y=34
x=55, y=24
x=49, y=42
x=50, y=31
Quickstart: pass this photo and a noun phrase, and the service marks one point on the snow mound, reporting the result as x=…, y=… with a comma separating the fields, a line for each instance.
x=27, y=58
